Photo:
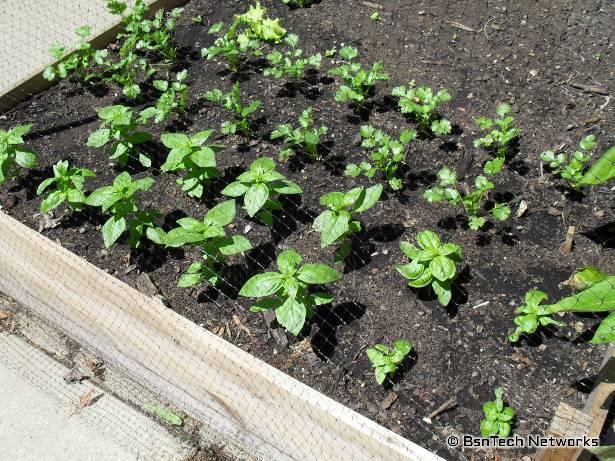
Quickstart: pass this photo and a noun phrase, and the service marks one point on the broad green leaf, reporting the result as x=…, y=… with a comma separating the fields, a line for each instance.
x=585, y=277
x=175, y=140
x=204, y=158
x=411, y=271
x=442, y=268
x=321, y=298
x=332, y=199
x=25, y=158
x=288, y=260
x=99, y=138
x=104, y=197
x=606, y=330
x=291, y=315
x=235, y=189
x=603, y=453
x=286, y=187
x=428, y=240
x=409, y=250
x=112, y=230
x=601, y=171
x=222, y=214
x=53, y=200
x=255, y=198
x=334, y=226
x=372, y=195
x=404, y=346
x=44, y=185
x=261, y=285
x=234, y=245
x=423, y=280
x=315, y=274
x=442, y=289
x=599, y=297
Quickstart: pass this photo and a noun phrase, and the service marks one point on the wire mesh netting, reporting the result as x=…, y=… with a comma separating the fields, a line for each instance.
x=476, y=171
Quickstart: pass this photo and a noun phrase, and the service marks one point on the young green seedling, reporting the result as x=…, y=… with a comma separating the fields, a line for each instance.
x=386, y=360
x=260, y=186
x=298, y=3
x=422, y=103
x=449, y=189
x=287, y=291
x=209, y=235
x=172, y=100
x=385, y=154
x=68, y=182
x=290, y=63
x=336, y=224
x=245, y=35
x=12, y=155
x=432, y=263
x=306, y=136
x=120, y=201
x=597, y=295
x=359, y=83
x=232, y=101
x=79, y=61
x=502, y=136
x=120, y=129
x=498, y=417
x=149, y=35
x=193, y=156
x=571, y=168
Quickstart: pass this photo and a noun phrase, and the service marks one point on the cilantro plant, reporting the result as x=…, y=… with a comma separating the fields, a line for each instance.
x=244, y=36
x=359, y=82
x=503, y=134
x=571, y=168
x=260, y=185
x=232, y=101
x=79, y=61
x=120, y=130
x=209, y=235
x=288, y=290
x=336, y=224
x=172, y=100
x=448, y=189
x=422, y=103
x=149, y=35
x=68, y=182
x=290, y=63
x=120, y=201
x=597, y=295
x=141, y=41
x=12, y=155
x=498, y=417
x=306, y=136
x=385, y=154
x=386, y=360
x=432, y=263
x=191, y=155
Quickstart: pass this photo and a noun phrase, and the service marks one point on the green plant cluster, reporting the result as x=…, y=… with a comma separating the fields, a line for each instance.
x=296, y=289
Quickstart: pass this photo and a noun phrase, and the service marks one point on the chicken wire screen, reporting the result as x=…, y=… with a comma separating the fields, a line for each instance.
x=508, y=209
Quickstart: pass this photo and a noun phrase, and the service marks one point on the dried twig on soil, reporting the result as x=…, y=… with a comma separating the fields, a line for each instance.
x=446, y=406
x=458, y=25
x=590, y=88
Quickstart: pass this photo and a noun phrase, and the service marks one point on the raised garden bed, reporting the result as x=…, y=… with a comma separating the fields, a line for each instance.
x=524, y=56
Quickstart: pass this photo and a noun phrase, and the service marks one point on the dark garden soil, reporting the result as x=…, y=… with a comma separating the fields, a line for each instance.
x=527, y=53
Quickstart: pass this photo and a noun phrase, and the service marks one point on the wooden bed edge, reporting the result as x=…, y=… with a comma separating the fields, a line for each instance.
x=214, y=381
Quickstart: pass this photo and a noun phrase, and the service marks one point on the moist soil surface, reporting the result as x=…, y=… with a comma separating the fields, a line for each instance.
x=528, y=54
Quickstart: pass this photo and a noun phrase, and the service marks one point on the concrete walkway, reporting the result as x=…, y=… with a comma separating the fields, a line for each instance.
x=40, y=419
